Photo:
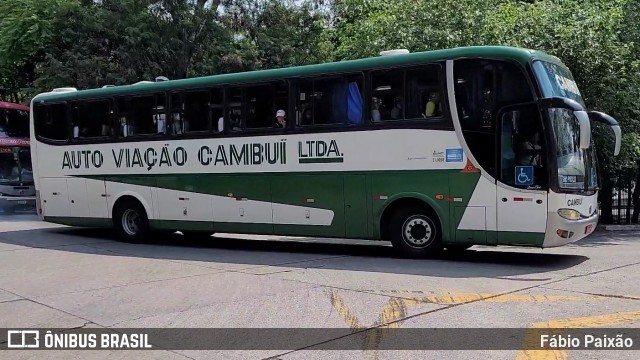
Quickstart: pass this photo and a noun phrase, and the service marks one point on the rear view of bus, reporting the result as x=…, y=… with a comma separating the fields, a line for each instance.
x=17, y=191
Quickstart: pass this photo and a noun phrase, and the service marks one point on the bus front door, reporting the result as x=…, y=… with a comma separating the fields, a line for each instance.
x=521, y=193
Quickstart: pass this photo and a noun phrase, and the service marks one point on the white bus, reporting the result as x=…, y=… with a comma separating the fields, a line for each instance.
x=440, y=149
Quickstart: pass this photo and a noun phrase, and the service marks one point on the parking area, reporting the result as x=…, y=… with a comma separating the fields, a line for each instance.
x=60, y=277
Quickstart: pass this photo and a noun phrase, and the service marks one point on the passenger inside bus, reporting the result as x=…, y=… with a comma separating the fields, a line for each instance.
x=307, y=117
x=281, y=122
x=433, y=105
x=396, y=112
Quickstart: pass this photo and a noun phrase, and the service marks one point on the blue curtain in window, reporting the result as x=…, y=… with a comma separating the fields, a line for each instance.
x=346, y=104
x=354, y=104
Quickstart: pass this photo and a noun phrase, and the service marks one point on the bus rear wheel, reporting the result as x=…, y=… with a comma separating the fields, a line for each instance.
x=131, y=222
x=414, y=232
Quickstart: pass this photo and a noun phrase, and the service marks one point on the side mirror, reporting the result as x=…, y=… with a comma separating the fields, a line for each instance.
x=585, y=129
x=618, y=132
x=606, y=119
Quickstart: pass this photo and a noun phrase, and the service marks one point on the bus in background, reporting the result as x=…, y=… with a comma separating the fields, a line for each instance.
x=440, y=149
x=17, y=191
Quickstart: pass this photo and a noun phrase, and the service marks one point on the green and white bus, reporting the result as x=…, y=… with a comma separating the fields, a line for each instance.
x=439, y=149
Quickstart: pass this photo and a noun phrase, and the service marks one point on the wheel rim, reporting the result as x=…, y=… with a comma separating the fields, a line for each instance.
x=131, y=221
x=418, y=231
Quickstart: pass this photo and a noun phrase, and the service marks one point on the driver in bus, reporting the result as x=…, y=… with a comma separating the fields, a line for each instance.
x=530, y=151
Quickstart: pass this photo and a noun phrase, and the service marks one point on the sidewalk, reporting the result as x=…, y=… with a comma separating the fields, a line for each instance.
x=620, y=227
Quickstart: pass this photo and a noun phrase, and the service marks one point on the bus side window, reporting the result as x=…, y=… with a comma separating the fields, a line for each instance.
x=235, y=109
x=141, y=115
x=196, y=112
x=51, y=121
x=262, y=103
x=333, y=100
x=216, y=106
x=387, y=91
x=176, y=113
x=424, y=93
x=91, y=119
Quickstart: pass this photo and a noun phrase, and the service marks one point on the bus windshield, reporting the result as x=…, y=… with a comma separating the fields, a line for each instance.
x=556, y=80
x=15, y=165
x=14, y=123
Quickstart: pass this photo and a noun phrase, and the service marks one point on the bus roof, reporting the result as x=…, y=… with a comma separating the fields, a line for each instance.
x=8, y=105
x=494, y=52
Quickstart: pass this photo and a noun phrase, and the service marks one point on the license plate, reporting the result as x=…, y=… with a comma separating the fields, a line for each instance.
x=588, y=229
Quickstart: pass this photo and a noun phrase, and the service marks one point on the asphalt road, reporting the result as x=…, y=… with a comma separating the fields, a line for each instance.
x=59, y=277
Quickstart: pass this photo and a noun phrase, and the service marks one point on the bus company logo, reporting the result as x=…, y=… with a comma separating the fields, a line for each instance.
x=438, y=156
x=454, y=155
x=23, y=339
x=319, y=152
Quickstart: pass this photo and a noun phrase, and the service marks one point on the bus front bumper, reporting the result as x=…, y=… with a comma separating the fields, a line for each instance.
x=17, y=202
x=561, y=231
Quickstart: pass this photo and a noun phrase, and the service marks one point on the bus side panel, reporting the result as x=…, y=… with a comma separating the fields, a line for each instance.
x=308, y=205
x=473, y=207
x=243, y=204
x=54, y=197
x=182, y=210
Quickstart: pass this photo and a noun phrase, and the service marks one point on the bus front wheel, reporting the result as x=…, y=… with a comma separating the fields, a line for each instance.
x=414, y=232
x=131, y=222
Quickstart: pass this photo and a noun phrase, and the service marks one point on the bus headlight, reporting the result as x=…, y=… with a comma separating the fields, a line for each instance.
x=569, y=214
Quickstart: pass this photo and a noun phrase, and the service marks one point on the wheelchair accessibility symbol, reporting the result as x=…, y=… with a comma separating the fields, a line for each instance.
x=524, y=175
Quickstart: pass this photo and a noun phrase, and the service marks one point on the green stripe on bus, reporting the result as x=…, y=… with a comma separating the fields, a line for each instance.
x=320, y=160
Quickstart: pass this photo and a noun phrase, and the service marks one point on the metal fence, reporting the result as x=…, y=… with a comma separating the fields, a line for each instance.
x=622, y=207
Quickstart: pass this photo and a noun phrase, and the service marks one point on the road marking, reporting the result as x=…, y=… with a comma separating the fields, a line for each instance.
x=389, y=318
x=396, y=309
x=563, y=325
x=451, y=297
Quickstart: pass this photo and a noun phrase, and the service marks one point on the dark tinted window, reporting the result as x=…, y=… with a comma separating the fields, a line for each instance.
x=51, y=121
x=92, y=119
x=196, y=111
x=424, y=93
x=387, y=91
x=14, y=123
x=255, y=107
x=330, y=100
x=143, y=115
x=482, y=88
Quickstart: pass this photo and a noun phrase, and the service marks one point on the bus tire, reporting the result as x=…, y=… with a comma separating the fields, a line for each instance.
x=415, y=232
x=131, y=222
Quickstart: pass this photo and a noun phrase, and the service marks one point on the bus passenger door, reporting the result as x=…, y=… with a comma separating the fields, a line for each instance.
x=523, y=180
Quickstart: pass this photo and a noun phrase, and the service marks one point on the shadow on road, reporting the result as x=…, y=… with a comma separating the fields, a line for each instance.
x=295, y=253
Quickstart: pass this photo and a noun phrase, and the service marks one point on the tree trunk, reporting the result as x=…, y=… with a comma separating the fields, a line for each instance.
x=636, y=196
